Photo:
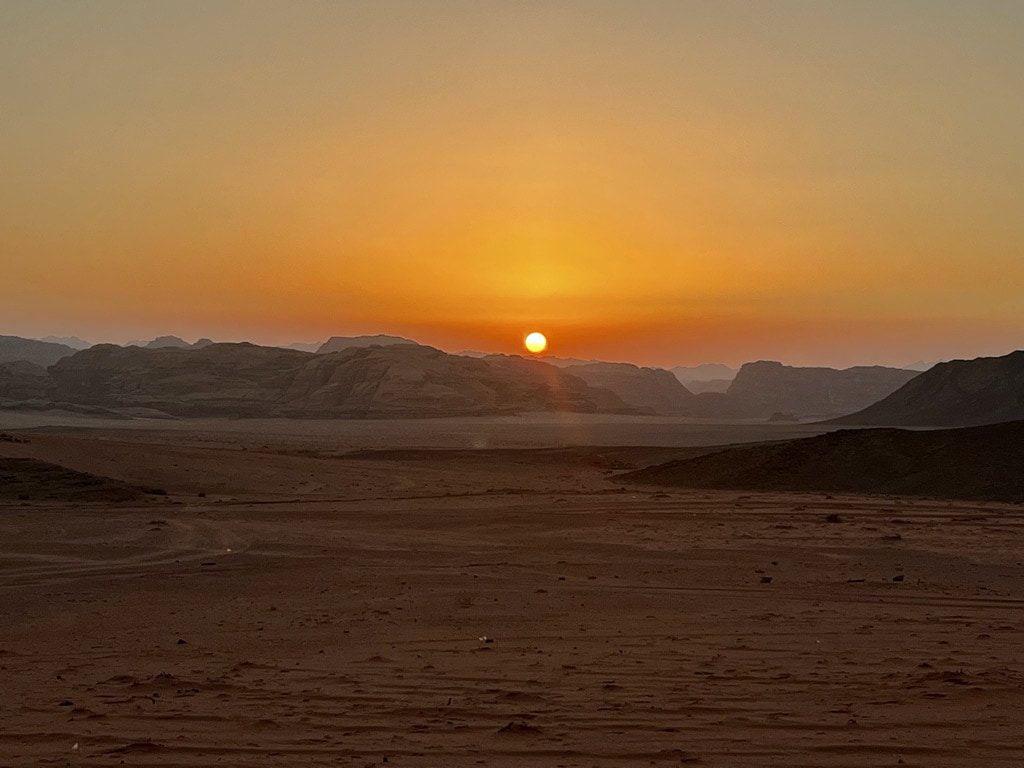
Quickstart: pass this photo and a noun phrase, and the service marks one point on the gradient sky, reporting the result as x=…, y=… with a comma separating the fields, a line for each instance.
x=830, y=183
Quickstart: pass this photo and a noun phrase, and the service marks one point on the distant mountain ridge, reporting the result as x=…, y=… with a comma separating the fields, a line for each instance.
x=312, y=346
x=653, y=390
x=245, y=380
x=760, y=390
x=338, y=343
x=175, y=341
x=770, y=387
x=960, y=393
x=15, y=348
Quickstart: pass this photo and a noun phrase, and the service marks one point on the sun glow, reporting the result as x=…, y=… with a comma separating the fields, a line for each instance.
x=536, y=342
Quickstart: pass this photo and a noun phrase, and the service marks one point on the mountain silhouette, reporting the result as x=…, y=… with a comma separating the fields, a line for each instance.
x=245, y=380
x=15, y=348
x=960, y=393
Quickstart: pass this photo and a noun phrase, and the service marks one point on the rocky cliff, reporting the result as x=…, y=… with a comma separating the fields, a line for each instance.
x=650, y=389
x=986, y=390
x=244, y=380
x=772, y=387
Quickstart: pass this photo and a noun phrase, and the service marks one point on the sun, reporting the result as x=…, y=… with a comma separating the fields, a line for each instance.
x=536, y=342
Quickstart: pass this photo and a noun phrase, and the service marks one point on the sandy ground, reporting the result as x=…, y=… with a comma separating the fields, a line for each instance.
x=496, y=608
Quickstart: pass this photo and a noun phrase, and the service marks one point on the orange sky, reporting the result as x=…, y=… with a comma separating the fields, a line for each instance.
x=661, y=182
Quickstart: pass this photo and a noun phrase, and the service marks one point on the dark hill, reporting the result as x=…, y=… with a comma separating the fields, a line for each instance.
x=987, y=390
x=219, y=379
x=15, y=348
x=28, y=479
x=983, y=463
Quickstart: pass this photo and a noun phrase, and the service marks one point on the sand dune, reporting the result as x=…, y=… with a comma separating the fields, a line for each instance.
x=500, y=608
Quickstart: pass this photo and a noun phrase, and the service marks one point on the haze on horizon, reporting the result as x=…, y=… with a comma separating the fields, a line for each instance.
x=667, y=183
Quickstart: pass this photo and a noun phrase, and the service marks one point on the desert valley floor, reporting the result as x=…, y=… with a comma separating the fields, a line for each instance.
x=460, y=593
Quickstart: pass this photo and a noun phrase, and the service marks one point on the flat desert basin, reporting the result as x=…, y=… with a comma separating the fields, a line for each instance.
x=293, y=599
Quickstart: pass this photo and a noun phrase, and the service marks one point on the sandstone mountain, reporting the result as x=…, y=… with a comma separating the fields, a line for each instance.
x=650, y=389
x=986, y=390
x=69, y=341
x=14, y=348
x=21, y=380
x=177, y=342
x=771, y=387
x=244, y=380
x=338, y=343
x=983, y=463
x=220, y=379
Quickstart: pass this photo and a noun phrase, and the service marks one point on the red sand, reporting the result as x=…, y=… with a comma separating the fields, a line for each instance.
x=312, y=610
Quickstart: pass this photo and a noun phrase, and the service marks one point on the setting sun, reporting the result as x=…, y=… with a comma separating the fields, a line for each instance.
x=536, y=342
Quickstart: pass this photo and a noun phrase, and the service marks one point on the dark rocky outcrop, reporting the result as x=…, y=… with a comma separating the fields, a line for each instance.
x=23, y=381
x=720, y=386
x=15, y=348
x=983, y=463
x=770, y=387
x=986, y=390
x=27, y=479
x=650, y=389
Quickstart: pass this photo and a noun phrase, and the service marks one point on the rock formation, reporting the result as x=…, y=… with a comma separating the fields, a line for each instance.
x=986, y=390
x=244, y=380
x=984, y=463
x=772, y=387
x=653, y=390
x=338, y=343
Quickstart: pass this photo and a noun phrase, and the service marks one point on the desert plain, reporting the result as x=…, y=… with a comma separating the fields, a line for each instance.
x=489, y=593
